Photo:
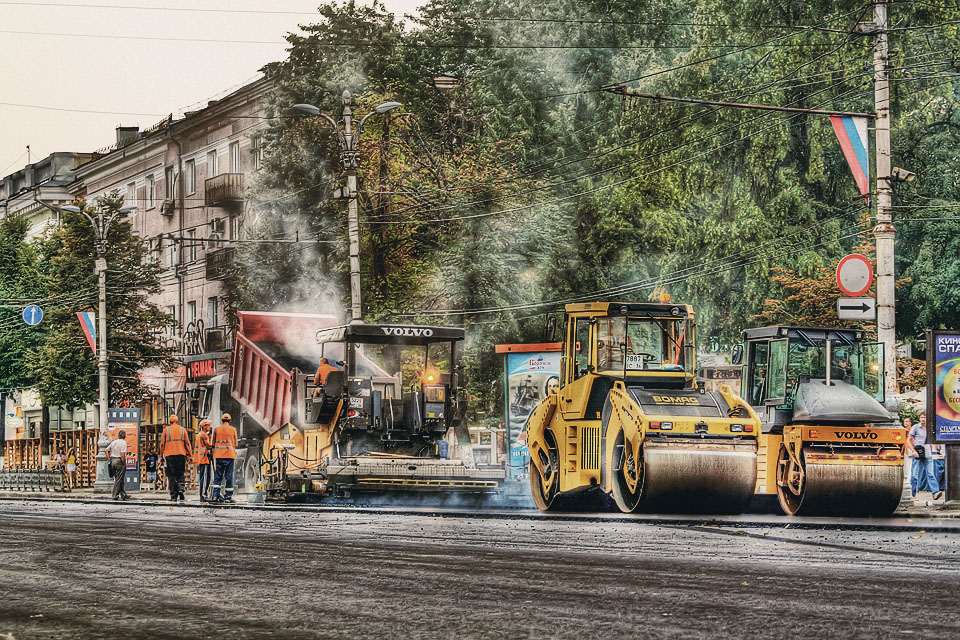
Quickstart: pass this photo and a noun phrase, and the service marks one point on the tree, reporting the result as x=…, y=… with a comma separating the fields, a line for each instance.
x=19, y=285
x=63, y=365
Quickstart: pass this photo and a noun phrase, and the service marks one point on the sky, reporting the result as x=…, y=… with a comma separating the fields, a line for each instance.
x=93, y=67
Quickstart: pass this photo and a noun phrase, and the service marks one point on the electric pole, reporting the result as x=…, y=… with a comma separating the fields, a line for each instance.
x=884, y=232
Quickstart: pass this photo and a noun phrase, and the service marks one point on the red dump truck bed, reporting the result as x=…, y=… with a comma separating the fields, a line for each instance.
x=269, y=350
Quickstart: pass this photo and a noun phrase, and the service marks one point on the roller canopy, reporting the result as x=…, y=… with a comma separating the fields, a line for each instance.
x=686, y=402
x=389, y=334
x=840, y=402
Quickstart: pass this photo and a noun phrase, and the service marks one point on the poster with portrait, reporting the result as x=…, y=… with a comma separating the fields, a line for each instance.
x=529, y=377
x=943, y=386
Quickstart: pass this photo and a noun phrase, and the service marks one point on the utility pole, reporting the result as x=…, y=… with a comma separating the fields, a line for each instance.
x=884, y=232
x=348, y=156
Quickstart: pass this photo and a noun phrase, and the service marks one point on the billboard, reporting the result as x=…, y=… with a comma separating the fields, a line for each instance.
x=127, y=420
x=530, y=371
x=943, y=386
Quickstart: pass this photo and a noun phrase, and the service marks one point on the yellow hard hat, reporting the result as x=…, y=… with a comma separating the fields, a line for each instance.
x=225, y=417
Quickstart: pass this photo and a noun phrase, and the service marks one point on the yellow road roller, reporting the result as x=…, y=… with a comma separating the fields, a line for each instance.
x=827, y=446
x=629, y=422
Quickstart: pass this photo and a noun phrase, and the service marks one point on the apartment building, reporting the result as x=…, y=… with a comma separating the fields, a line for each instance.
x=36, y=190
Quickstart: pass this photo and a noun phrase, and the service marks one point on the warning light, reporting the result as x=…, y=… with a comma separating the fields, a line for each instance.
x=665, y=298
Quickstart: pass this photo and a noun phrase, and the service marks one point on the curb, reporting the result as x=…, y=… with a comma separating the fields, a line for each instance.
x=896, y=522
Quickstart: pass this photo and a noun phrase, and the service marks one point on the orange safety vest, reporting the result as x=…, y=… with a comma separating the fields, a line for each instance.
x=225, y=442
x=174, y=441
x=202, y=448
x=322, y=372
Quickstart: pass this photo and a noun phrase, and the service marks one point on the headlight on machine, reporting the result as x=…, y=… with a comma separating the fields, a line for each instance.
x=663, y=426
x=736, y=428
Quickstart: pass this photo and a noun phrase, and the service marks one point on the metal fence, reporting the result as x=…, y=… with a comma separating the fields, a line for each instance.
x=36, y=480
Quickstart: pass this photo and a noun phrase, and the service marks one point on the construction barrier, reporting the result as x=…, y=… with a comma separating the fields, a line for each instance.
x=35, y=480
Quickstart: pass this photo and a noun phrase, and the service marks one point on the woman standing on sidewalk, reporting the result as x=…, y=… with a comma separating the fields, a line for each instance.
x=71, y=468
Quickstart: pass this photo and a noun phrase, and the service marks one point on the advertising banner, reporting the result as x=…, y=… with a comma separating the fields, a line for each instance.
x=943, y=386
x=529, y=377
x=128, y=421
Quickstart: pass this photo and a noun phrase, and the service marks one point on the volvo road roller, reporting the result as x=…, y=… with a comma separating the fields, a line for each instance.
x=629, y=422
x=827, y=445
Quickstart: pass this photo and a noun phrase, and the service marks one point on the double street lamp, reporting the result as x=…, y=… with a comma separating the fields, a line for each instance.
x=101, y=228
x=347, y=138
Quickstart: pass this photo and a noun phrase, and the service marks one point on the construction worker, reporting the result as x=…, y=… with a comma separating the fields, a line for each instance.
x=224, y=455
x=202, y=446
x=320, y=377
x=174, y=449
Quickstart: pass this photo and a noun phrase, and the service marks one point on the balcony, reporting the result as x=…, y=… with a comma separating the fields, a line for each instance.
x=224, y=190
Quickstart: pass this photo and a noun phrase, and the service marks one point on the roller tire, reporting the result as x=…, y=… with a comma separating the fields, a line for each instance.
x=626, y=500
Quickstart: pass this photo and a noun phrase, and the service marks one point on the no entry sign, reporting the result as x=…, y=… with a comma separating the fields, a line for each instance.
x=854, y=275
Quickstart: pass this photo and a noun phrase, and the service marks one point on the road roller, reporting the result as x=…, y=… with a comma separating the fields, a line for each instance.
x=629, y=424
x=827, y=445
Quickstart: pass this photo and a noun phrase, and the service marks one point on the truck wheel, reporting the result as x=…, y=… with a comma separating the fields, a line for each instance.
x=626, y=472
x=544, y=488
x=251, y=473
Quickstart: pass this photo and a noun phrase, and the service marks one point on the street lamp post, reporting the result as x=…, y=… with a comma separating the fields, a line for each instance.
x=348, y=155
x=101, y=227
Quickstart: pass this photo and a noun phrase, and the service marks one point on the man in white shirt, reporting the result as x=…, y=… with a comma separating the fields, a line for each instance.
x=117, y=456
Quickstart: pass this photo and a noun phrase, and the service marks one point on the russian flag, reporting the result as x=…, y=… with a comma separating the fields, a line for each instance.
x=88, y=322
x=852, y=133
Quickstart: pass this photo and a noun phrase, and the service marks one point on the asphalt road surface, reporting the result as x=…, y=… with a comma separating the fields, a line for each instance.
x=135, y=571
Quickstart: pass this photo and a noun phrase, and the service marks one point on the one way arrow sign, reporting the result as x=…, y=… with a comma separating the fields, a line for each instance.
x=857, y=308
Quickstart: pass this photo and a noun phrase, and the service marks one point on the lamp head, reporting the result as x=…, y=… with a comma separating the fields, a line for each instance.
x=308, y=109
x=71, y=209
x=128, y=208
x=387, y=106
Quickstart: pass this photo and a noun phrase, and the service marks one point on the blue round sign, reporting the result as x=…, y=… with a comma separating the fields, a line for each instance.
x=32, y=315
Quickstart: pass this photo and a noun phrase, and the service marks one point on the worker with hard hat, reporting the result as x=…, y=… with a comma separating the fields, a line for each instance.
x=224, y=455
x=174, y=449
x=202, y=449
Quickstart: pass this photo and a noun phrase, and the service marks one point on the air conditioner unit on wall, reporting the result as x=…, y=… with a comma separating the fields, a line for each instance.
x=217, y=226
x=166, y=207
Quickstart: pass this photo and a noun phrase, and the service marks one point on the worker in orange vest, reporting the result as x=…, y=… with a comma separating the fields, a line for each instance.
x=224, y=455
x=320, y=377
x=174, y=449
x=202, y=449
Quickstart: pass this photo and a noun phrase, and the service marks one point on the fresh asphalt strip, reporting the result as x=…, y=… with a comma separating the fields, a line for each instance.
x=896, y=522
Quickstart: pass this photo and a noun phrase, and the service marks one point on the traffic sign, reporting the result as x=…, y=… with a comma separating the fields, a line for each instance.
x=857, y=308
x=32, y=315
x=854, y=275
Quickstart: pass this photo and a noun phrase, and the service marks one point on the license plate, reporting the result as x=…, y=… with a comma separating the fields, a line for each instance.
x=356, y=403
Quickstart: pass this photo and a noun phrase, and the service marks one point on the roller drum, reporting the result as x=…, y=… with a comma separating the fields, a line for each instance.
x=833, y=488
x=691, y=475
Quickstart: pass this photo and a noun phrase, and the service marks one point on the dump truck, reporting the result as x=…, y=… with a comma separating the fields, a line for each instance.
x=375, y=425
x=629, y=423
x=828, y=445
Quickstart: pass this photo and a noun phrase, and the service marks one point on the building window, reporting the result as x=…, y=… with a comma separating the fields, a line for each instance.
x=235, y=228
x=131, y=197
x=151, y=192
x=212, y=319
x=211, y=164
x=171, y=254
x=191, y=245
x=191, y=312
x=168, y=186
x=256, y=148
x=190, y=180
x=171, y=321
x=234, y=157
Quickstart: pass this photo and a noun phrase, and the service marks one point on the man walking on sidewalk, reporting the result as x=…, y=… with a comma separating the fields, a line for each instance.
x=202, y=447
x=224, y=455
x=174, y=449
x=117, y=454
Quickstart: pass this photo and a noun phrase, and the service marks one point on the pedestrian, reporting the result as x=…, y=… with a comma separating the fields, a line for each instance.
x=923, y=466
x=150, y=466
x=174, y=449
x=224, y=455
x=58, y=460
x=117, y=455
x=71, y=469
x=202, y=446
x=937, y=454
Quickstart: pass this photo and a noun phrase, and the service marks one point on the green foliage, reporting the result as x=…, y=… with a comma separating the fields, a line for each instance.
x=62, y=367
x=19, y=286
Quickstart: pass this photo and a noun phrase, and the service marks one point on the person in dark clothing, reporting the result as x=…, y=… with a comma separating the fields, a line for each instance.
x=175, y=447
x=150, y=466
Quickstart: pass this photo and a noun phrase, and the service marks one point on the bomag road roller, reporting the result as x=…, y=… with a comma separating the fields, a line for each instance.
x=629, y=422
x=827, y=445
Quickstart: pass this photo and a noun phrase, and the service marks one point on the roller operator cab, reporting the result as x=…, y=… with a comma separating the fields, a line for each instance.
x=628, y=420
x=827, y=445
x=375, y=423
